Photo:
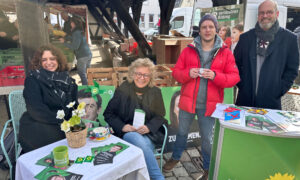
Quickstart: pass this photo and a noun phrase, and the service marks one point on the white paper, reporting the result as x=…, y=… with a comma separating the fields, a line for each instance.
x=139, y=118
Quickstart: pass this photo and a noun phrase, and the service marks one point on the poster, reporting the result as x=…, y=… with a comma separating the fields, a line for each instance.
x=171, y=97
x=96, y=99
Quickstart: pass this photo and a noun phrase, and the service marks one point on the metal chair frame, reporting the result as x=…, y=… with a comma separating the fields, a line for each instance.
x=160, y=152
x=17, y=108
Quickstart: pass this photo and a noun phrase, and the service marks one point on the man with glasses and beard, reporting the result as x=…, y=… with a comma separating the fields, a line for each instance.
x=268, y=59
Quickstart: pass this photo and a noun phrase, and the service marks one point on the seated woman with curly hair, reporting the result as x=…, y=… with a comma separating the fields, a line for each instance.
x=138, y=94
x=47, y=89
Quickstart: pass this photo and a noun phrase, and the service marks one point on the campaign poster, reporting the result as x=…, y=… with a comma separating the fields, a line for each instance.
x=171, y=97
x=96, y=99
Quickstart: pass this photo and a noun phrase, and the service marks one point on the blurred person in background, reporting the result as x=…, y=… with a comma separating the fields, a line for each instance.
x=237, y=30
x=79, y=45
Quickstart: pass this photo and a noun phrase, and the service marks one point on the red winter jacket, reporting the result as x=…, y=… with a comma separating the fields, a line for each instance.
x=227, y=75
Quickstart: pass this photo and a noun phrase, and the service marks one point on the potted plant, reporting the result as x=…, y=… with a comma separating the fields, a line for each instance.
x=74, y=128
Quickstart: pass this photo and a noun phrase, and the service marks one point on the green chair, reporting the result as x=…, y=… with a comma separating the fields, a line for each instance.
x=160, y=152
x=17, y=108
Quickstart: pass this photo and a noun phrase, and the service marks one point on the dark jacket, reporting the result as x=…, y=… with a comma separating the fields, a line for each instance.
x=39, y=126
x=277, y=74
x=78, y=44
x=120, y=109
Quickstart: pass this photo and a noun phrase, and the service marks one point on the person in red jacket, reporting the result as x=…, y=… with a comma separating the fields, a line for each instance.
x=204, y=69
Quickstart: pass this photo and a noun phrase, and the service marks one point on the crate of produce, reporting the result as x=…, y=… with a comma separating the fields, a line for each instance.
x=12, y=76
x=11, y=57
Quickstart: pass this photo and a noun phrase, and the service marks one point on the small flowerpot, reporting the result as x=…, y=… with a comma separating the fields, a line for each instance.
x=77, y=139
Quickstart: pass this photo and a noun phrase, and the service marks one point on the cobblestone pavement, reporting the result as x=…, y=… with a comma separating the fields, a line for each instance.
x=185, y=169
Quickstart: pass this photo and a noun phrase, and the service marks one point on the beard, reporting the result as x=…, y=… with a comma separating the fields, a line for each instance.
x=266, y=26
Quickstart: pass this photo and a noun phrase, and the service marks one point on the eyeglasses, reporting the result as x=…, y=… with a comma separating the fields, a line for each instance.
x=268, y=13
x=51, y=58
x=140, y=75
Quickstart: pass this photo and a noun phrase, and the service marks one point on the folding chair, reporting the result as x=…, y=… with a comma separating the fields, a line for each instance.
x=17, y=108
x=160, y=152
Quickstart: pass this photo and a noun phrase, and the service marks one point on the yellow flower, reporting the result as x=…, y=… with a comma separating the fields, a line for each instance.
x=81, y=106
x=278, y=176
x=65, y=126
x=74, y=120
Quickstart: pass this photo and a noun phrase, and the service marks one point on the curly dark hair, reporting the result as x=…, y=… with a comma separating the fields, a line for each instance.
x=36, y=62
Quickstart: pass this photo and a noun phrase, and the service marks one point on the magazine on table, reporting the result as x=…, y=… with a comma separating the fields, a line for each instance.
x=106, y=154
x=288, y=120
x=275, y=121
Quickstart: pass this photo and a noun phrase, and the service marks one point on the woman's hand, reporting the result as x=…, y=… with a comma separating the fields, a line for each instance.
x=128, y=128
x=3, y=34
x=62, y=40
x=143, y=129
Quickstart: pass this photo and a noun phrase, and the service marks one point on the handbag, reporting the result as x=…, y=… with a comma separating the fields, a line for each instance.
x=157, y=138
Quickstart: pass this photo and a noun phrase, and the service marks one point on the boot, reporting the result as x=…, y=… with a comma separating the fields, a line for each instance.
x=170, y=165
x=205, y=175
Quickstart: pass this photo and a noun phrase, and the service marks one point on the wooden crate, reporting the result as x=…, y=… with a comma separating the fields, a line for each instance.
x=104, y=76
x=122, y=74
x=117, y=75
x=163, y=76
x=168, y=49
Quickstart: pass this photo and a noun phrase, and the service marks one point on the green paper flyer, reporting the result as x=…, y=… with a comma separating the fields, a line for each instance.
x=50, y=173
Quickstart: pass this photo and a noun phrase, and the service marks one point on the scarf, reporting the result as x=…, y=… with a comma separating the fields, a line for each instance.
x=265, y=38
x=140, y=90
x=58, y=82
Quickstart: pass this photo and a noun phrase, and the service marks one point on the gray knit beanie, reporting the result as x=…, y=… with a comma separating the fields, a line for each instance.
x=211, y=18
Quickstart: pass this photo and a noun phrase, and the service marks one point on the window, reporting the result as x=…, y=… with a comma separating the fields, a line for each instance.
x=142, y=21
x=177, y=22
x=151, y=20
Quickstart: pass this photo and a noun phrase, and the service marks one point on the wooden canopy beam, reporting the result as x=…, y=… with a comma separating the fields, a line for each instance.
x=98, y=17
x=131, y=26
x=109, y=19
x=166, y=9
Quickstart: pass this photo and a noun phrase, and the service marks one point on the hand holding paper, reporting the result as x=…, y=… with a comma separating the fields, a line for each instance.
x=139, y=118
x=143, y=129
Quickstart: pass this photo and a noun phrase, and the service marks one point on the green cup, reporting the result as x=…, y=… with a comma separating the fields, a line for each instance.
x=61, y=156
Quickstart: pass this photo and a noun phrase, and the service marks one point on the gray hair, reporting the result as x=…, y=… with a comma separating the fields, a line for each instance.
x=141, y=62
x=274, y=2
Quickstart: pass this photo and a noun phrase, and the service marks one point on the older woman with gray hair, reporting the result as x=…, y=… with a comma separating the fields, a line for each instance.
x=137, y=99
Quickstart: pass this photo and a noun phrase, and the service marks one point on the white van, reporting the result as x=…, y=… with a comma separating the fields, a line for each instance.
x=181, y=20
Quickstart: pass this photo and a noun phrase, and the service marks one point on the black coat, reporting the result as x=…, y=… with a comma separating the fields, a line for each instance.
x=120, y=109
x=277, y=74
x=38, y=125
